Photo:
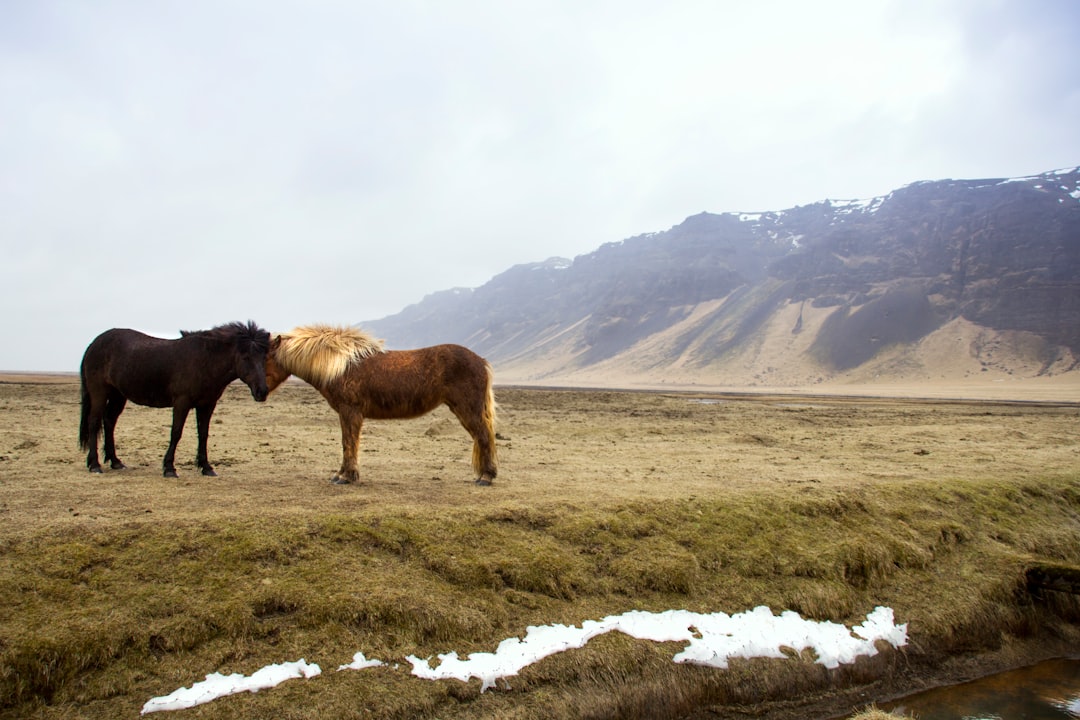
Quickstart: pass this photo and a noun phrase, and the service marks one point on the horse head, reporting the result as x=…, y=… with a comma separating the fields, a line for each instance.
x=275, y=373
x=252, y=347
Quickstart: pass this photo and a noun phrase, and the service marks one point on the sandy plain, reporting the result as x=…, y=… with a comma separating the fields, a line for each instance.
x=639, y=444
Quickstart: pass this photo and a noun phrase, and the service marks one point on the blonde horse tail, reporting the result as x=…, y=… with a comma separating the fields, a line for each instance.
x=485, y=464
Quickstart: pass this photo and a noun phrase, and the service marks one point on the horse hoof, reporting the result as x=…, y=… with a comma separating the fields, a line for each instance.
x=483, y=482
x=209, y=472
x=171, y=474
x=338, y=480
x=117, y=465
x=96, y=469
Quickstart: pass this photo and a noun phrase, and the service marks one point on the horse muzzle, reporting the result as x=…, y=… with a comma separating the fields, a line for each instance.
x=260, y=393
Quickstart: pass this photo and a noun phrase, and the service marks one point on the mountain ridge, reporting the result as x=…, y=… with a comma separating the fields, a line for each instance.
x=827, y=292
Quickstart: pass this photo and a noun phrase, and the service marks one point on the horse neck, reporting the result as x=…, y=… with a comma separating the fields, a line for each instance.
x=218, y=359
x=309, y=378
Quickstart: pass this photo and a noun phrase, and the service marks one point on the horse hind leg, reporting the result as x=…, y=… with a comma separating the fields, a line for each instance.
x=114, y=405
x=483, y=458
x=90, y=428
x=479, y=422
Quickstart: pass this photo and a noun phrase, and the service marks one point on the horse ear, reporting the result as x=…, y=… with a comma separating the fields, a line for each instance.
x=275, y=342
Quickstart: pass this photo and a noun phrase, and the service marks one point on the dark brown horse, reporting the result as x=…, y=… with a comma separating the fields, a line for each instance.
x=360, y=379
x=190, y=372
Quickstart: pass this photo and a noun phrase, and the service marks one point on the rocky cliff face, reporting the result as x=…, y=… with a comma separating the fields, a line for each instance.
x=791, y=296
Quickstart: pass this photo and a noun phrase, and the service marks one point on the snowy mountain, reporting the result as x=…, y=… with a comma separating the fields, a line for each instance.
x=939, y=277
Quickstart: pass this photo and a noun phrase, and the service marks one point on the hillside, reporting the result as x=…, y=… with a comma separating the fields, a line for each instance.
x=972, y=281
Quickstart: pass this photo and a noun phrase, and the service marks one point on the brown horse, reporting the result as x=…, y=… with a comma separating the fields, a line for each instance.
x=361, y=379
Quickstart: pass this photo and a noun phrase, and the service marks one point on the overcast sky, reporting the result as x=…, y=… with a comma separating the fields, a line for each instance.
x=181, y=164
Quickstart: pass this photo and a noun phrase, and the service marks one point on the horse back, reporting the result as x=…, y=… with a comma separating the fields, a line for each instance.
x=148, y=370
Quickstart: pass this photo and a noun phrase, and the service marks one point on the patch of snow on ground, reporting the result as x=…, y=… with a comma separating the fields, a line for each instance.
x=359, y=662
x=217, y=685
x=711, y=639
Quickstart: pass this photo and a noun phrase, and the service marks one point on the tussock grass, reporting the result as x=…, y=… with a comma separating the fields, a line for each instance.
x=91, y=616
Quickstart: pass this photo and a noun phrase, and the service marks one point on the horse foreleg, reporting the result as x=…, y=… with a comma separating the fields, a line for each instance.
x=351, y=423
x=114, y=405
x=202, y=420
x=179, y=417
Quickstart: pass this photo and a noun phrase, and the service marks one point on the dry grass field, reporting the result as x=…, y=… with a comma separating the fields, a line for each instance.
x=125, y=586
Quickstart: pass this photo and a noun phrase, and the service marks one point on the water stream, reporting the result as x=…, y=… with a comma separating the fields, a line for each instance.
x=1047, y=691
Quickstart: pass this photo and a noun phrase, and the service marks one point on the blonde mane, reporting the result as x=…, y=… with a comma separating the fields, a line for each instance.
x=322, y=353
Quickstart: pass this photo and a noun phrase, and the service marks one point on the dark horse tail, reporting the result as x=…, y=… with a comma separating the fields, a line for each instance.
x=84, y=422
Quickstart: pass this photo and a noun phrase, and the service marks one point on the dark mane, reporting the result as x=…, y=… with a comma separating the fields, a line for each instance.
x=247, y=335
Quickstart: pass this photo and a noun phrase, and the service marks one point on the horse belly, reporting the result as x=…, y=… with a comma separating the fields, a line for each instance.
x=148, y=388
x=395, y=403
x=401, y=411
x=149, y=397
x=396, y=400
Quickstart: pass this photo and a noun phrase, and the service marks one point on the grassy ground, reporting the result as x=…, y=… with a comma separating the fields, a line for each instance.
x=126, y=586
